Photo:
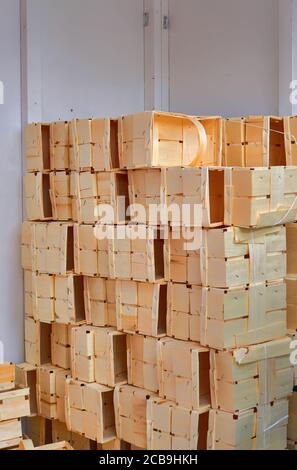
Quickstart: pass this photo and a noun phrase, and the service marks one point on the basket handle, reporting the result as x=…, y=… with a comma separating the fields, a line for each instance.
x=202, y=147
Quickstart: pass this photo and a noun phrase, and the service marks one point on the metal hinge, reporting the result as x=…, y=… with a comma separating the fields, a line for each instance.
x=165, y=22
x=146, y=19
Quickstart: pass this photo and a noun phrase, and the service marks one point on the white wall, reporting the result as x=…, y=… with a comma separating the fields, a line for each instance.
x=285, y=55
x=88, y=57
x=294, y=47
x=11, y=289
x=224, y=56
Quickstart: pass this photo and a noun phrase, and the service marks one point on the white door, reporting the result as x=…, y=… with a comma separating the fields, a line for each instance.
x=85, y=58
x=223, y=56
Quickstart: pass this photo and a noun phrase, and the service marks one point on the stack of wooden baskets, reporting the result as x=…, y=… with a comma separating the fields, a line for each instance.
x=153, y=331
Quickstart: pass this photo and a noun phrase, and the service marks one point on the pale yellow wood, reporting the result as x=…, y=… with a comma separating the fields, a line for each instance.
x=59, y=145
x=155, y=139
x=51, y=386
x=98, y=355
x=261, y=428
x=171, y=427
x=94, y=144
x=95, y=423
x=183, y=373
x=132, y=414
x=37, y=147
